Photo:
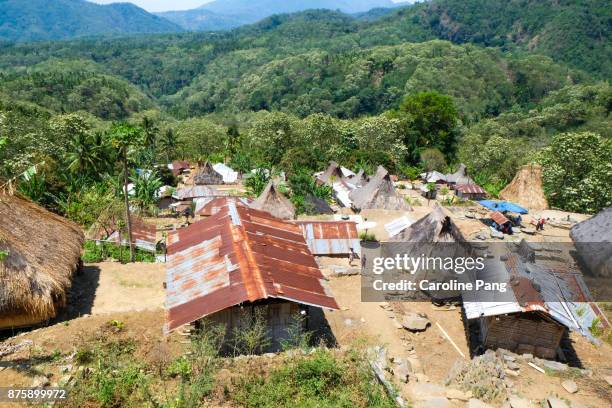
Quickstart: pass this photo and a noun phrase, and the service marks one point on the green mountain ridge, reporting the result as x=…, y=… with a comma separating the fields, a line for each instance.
x=228, y=14
x=35, y=20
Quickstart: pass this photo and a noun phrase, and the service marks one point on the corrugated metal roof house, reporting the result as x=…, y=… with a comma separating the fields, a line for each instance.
x=239, y=257
x=544, y=301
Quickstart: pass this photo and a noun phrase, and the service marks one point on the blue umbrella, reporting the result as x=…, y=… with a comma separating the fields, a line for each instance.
x=502, y=206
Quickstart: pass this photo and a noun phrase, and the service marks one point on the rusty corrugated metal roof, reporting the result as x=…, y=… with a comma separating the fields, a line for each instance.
x=331, y=237
x=237, y=255
x=499, y=218
x=190, y=192
x=470, y=189
x=216, y=204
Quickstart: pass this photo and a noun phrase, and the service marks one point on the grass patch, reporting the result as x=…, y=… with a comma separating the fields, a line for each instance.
x=322, y=379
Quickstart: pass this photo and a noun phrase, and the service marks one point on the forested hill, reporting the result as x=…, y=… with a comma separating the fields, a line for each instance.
x=30, y=20
x=227, y=14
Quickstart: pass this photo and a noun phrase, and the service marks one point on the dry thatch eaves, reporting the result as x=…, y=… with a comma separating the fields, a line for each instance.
x=378, y=193
x=205, y=174
x=41, y=252
x=437, y=226
x=274, y=202
x=526, y=188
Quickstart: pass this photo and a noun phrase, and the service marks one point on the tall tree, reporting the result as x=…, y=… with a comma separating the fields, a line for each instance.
x=430, y=121
x=123, y=137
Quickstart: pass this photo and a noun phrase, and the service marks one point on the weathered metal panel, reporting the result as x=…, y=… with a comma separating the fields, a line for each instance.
x=330, y=237
x=238, y=255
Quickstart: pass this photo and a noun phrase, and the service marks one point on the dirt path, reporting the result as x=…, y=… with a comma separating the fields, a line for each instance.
x=110, y=287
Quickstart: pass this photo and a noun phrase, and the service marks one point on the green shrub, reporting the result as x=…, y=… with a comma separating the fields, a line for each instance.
x=367, y=236
x=94, y=253
x=318, y=380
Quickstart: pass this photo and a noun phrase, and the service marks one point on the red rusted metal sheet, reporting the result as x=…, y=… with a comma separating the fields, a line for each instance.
x=236, y=255
x=469, y=189
x=217, y=203
x=331, y=237
x=499, y=218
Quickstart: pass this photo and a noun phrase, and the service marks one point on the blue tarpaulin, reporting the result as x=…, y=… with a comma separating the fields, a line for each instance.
x=502, y=206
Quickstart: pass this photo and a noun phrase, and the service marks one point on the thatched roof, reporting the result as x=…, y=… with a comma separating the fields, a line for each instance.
x=437, y=226
x=316, y=205
x=360, y=179
x=379, y=193
x=526, y=188
x=592, y=241
x=460, y=176
x=332, y=174
x=43, y=252
x=274, y=202
x=205, y=174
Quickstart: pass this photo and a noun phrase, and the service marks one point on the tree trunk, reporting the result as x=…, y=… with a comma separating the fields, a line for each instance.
x=128, y=219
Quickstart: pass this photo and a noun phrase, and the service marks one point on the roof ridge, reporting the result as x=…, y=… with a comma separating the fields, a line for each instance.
x=241, y=244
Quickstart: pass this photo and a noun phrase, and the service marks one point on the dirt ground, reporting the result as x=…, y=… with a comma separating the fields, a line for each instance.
x=111, y=287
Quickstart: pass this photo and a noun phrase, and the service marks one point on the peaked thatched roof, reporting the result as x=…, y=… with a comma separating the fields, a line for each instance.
x=526, y=188
x=43, y=252
x=316, y=205
x=460, y=176
x=437, y=226
x=332, y=174
x=360, y=179
x=274, y=202
x=205, y=174
x=379, y=193
x=592, y=239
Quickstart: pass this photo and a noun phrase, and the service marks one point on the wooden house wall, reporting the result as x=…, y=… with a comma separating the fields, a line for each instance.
x=278, y=317
x=523, y=333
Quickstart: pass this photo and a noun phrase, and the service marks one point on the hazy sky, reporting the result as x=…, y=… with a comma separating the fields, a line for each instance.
x=159, y=5
x=164, y=5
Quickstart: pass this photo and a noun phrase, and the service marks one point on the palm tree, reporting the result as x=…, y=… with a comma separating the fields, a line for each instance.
x=124, y=136
x=168, y=143
x=83, y=157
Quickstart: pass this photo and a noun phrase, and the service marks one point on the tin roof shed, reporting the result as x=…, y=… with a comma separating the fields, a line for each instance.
x=239, y=255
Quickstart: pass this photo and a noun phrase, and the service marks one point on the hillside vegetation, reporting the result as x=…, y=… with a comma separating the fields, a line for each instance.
x=295, y=91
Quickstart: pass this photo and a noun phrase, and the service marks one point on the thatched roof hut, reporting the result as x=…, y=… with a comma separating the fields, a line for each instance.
x=526, y=188
x=205, y=174
x=592, y=240
x=332, y=174
x=437, y=226
x=460, y=176
x=40, y=253
x=378, y=193
x=316, y=205
x=360, y=179
x=274, y=202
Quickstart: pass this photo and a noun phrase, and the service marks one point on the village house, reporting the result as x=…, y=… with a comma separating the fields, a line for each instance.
x=378, y=193
x=241, y=259
x=274, y=202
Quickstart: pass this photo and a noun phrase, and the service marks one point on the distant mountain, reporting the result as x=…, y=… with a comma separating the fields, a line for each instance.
x=227, y=14
x=31, y=20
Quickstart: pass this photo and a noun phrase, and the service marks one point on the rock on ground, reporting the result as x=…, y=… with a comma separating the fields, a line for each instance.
x=554, y=402
x=516, y=402
x=434, y=402
x=476, y=403
x=456, y=394
x=570, y=386
x=414, y=322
